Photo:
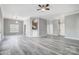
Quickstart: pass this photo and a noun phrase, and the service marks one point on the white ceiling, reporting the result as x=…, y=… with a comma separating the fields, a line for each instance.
x=24, y=10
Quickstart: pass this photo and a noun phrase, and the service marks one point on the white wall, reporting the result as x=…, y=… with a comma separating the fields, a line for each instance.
x=62, y=26
x=72, y=26
x=1, y=25
x=27, y=22
x=50, y=27
x=55, y=27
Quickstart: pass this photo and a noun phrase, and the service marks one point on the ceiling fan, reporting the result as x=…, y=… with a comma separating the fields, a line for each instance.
x=43, y=7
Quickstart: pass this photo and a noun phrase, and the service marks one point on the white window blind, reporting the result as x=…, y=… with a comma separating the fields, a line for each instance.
x=14, y=28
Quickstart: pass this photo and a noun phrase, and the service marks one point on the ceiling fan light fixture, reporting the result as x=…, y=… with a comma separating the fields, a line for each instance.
x=43, y=9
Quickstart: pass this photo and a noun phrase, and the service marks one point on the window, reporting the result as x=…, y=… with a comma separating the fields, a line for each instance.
x=14, y=28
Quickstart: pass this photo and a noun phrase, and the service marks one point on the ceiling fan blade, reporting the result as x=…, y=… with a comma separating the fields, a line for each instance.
x=39, y=5
x=47, y=5
x=47, y=9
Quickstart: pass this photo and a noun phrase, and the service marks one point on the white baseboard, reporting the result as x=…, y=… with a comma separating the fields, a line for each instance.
x=43, y=35
x=55, y=34
x=73, y=38
x=38, y=36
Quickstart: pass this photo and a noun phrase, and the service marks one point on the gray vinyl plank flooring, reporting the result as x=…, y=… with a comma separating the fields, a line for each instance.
x=50, y=45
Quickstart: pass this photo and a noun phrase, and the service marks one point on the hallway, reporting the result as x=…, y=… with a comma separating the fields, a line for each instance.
x=21, y=45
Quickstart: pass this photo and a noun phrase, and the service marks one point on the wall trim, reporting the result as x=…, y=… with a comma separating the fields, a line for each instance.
x=43, y=35
x=72, y=38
